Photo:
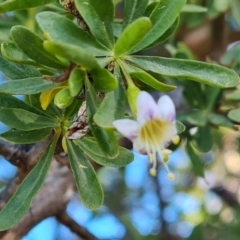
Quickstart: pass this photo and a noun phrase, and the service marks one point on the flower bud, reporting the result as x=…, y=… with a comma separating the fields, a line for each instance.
x=132, y=94
x=76, y=81
x=63, y=98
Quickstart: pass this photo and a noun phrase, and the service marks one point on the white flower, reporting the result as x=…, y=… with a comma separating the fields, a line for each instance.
x=154, y=129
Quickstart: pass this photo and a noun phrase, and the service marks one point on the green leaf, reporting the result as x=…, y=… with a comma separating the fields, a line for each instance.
x=89, y=188
x=114, y=104
x=132, y=35
x=12, y=5
x=212, y=97
x=198, y=118
x=235, y=6
x=133, y=9
x=180, y=127
x=203, y=140
x=198, y=167
x=13, y=53
x=94, y=152
x=105, y=138
x=26, y=86
x=21, y=201
x=103, y=80
x=17, y=71
x=54, y=25
x=211, y=74
x=165, y=12
x=234, y=115
x=23, y=137
x=191, y=8
x=73, y=53
x=233, y=96
x=99, y=16
x=152, y=82
x=25, y=120
x=220, y=120
x=32, y=45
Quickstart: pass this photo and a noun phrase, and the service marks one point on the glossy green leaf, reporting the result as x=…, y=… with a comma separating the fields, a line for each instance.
x=220, y=120
x=201, y=72
x=21, y=201
x=25, y=120
x=103, y=80
x=203, y=140
x=198, y=118
x=152, y=82
x=94, y=152
x=180, y=127
x=73, y=53
x=26, y=86
x=165, y=12
x=234, y=115
x=114, y=104
x=13, y=53
x=191, y=8
x=105, y=138
x=12, y=5
x=132, y=35
x=54, y=25
x=8, y=101
x=32, y=45
x=76, y=81
x=89, y=188
x=133, y=9
x=17, y=71
x=25, y=137
x=233, y=96
x=198, y=166
x=99, y=16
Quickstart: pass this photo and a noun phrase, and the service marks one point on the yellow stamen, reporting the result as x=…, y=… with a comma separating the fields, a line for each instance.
x=170, y=176
x=153, y=172
x=176, y=140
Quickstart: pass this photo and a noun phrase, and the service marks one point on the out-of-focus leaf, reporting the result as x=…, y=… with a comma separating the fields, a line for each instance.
x=25, y=120
x=92, y=150
x=114, y=104
x=133, y=9
x=180, y=127
x=202, y=72
x=198, y=167
x=12, y=5
x=21, y=201
x=220, y=120
x=32, y=45
x=26, y=86
x=233, y=96
x=132, y=35
x=235, y=115
x=212, y=96
x=89, y=188
x=25, y=137
x=191, y=8
x=235, y=6
x=54, y=25
x=198, y=118
x=99, y=19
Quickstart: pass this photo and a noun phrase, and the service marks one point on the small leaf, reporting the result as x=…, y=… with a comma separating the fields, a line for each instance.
x=180, y=127
x=26, y=86
x=198, y=118
x=73, y=53
x=103, y=80
x=220, y=120
x=25, y=120
x=23, y=137
x=12, y=5
x=63, y=98
x=233, y=96
x=92, y=150
x=21, y=201
x=13, y=53
x=201, y=72
x=98, y=18
x=132, y=35
x=191, y=8
x=105, y=138
x=114, y=104
x=89, y=188
x=76, y=81
x=32, y=45
x=234, y=115
x=198, y=167
x=54, y=24
x=133, y=9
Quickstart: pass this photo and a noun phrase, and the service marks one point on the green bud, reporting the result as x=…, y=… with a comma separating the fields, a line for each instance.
x=132, y=94
x=63, y=98
x=76, y=81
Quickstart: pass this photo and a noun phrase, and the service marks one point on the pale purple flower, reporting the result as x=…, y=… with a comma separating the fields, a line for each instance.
x=154, y=129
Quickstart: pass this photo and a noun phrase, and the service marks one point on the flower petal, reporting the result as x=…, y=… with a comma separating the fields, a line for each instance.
x=146, y=107
x=127, y=127
x=139, y=146
x=166, y=109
